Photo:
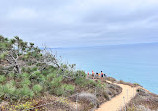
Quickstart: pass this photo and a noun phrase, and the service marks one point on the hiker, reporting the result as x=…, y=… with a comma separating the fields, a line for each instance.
x=92, y=74
x=99, y=74
x=96, y=74
x=102, y=74
x=88, y=73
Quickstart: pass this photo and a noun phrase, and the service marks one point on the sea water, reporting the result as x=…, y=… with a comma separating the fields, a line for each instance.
x=136, y=63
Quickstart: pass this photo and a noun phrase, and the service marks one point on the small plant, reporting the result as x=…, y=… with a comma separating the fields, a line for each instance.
x=24, y=75
x=58, y=91
x=121, y=82
x=68, y=88
x=26, y=82
x=35, y=74
x=56, y=81
x=1, y=90
x=51, y=76
x=80, y=73
x=83, y=82
x=64, y=90
x=25, y=106
x=9, y=88
x=136, y=84
x=37, y=88
x=2, y=78
x=11, y=75
x=26, y=92
x=100, y=85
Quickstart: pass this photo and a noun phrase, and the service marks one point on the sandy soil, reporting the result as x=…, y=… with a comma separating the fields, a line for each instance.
x=120, y=100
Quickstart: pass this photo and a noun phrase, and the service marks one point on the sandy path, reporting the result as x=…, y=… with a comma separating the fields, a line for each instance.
x=120, y=100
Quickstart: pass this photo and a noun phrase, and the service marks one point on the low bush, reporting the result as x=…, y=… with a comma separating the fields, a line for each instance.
x=9, y=88
x=2, y=78
x=80, y=73
x=51, y=76
x=25, y=106
x=26, y=92
x=111, y=79
x=64, y=90
x=58, y=91
x=106, y=96
x=24, y=75
x=136, y=84
x=68, y=88
x=56, y=82
x=25, y=81
x=81, y=81
x=37, y=88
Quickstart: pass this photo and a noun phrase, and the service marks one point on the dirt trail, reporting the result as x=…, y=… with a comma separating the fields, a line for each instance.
x=120, y=100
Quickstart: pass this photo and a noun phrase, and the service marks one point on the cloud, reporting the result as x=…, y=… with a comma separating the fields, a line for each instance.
x=73, y=23
x=22, y=14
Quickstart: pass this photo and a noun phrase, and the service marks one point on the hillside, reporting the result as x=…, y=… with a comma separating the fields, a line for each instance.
x=36, y=80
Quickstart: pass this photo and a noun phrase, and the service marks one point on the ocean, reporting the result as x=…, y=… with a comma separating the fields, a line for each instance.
x=137, y=63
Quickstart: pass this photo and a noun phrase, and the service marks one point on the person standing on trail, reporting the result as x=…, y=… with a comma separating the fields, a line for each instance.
x=92, y=74
x=96, y=74
x=88, y=73
x=102, y=74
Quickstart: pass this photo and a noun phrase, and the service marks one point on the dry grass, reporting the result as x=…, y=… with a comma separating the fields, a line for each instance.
x=143, y=101
x=128, y=83
x=111, y=79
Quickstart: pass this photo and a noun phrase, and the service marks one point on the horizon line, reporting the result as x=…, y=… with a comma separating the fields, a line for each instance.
x=103, y=45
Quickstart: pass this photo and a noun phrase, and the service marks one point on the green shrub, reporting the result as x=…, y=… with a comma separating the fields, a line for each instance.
x=24, y=75
x=1, y=90
x=100, y=84
x=25, y=81
x=65, y=66
x=44, y=72
x=35, y=74
x=64, y=90
x=26, y=92
x=34, y=68
x=3, y=55
x=91, y=83
x=9, y=88
x=37, y=88
x=136, y=84
x=28, y=70
x=23, y=69
x=2, y=78
x=68, y=88
x=80, y=73
x=11, y=75
x=56, y=81
x=58, y=91
x=41, y=78
x=51, y=76
x=81, y=81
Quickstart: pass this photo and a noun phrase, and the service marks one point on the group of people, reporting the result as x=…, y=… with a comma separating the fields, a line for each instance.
x=101, y=75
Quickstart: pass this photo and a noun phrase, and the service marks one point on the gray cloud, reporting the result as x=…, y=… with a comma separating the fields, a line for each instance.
x=73, y=23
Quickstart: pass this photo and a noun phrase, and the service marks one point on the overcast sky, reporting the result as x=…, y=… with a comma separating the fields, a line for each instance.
x=78, y=23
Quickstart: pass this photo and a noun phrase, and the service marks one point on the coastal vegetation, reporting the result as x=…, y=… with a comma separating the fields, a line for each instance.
x=143, y=101
x=29, y=77
x=35, y=79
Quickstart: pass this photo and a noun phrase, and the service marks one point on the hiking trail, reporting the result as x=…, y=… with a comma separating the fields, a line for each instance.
x=120, y=100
